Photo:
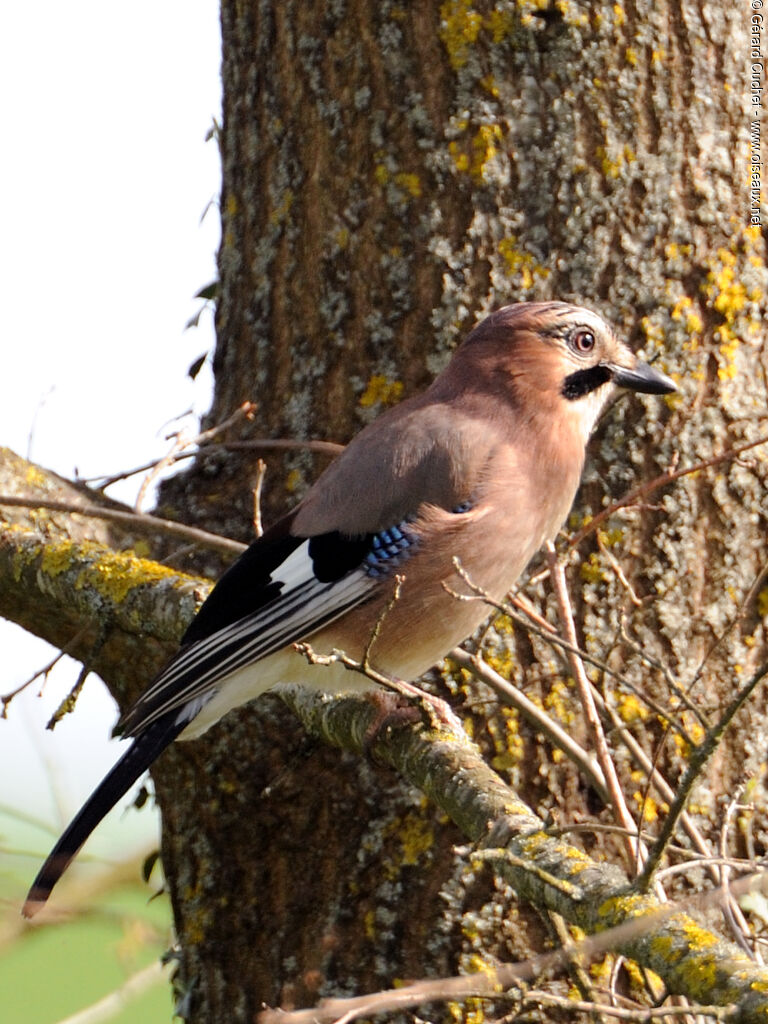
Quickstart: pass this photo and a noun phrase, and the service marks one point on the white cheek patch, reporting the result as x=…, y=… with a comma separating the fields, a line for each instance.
x=586, y=410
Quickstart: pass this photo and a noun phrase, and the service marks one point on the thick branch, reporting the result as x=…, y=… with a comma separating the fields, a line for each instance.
x=545, y=870
x=132, y=611
x=61, y=579
x=120, y=614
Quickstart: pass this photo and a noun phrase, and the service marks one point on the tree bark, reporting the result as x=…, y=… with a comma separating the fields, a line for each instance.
x=389, y=174
x=81, y=586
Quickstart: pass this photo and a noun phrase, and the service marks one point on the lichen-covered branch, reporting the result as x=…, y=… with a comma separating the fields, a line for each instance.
x=62, y=579
x=58, y=588
x=545, y=870
x=126, y=613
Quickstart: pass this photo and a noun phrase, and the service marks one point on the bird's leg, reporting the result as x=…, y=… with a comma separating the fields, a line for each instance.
x=438, y=711
x=393, y=709
x=395, y=699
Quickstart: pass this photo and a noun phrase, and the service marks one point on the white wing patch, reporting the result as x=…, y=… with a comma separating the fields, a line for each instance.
x=302, y=607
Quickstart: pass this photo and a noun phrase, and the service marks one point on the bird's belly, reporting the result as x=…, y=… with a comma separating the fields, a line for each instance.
x=436, y=608
x=251, y=681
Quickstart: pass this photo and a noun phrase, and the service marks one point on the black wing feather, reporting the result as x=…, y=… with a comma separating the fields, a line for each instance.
x=251, y=613
x=247, y=585
x=131, y=766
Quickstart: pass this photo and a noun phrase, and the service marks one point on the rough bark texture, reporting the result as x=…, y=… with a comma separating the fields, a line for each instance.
x=82, y=587
x=87, y=585
x=391, y=172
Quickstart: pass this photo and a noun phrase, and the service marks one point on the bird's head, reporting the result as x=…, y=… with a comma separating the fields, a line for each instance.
x=559, y=360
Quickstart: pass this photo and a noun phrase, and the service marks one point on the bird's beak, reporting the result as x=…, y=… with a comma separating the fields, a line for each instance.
x=641, y=377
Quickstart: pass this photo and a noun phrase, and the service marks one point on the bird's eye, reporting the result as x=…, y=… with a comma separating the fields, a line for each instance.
x=582, y=341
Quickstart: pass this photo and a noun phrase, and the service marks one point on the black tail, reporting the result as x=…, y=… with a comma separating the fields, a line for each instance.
x=144, y=750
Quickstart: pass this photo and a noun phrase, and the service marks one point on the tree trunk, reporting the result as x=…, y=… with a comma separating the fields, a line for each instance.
x=390, y=173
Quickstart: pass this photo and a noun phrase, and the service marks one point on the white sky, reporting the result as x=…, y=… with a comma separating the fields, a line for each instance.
x=104, y=177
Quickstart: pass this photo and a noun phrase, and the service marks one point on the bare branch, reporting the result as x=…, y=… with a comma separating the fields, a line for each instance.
x=284, y=444
x=672, y=683
x=740, y=613
x=638, y=493
x=539, y=718
x=67, y=706
x=616, y=796
x=698, y=759
x=45, y=671
x=137, y=521
x=547, y=632
x=731, y=909
x=261, y=469
x=259, y=444
x=115, y=1002
x=619, y=572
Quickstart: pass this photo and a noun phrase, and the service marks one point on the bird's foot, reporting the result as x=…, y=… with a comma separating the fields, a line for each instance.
x=392, y=710
x=405, y=704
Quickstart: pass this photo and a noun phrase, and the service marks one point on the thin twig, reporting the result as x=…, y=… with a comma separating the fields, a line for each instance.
x=258, y=484
x=699, y=757
x=259, y=444
x=137, y=521
x=67, y=706
x=365, y=661
x=5, y=699
x=738, y=923
x=576, y=965
x=740, y=613
x=245, y=411
x=182, y=440
x=672, y=683
x=435, y=706
x=618, y=571
x=653, y=485
x=641, y=1015
x=700, y=863
x=539, y=718
x=616, y=796
x=613, y=980
x=45, y=671
x=112, y=1004
x=594, y=826
x=283, y=444
x=546, y=631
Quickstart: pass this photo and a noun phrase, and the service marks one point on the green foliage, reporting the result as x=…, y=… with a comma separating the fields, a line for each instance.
x=103, y=927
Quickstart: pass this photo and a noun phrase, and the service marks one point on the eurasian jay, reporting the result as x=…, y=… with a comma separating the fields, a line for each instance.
x=482, y=467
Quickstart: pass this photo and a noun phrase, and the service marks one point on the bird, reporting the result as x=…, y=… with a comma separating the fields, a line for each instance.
x=467, y=479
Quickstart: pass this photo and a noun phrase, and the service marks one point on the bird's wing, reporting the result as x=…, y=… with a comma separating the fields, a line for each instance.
x=329, y=554
x=421, y=452
x=282, y=589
